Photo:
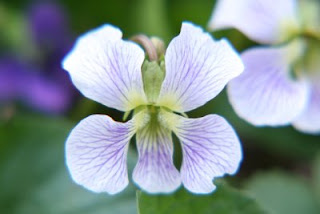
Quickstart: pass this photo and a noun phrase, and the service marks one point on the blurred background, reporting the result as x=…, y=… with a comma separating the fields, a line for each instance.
x=39, y=106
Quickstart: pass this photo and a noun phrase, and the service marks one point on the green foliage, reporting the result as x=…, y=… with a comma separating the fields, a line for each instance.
x=225, y=200
x=316, y=177
x=34, y=178
x=281, y=193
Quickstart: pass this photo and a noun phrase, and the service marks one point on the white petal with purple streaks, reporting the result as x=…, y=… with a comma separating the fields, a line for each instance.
x=155, y=172
x=197, y=69
x=265, y=93
x=96, y=153
x=309, y=120
x=107, y=69
x=261, y=20
x=210, y=148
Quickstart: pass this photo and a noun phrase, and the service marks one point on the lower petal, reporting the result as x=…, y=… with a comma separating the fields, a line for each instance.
x=265, y=94
x=309, y=120
x=210, y=148
x=96, y=153
x=155, y=172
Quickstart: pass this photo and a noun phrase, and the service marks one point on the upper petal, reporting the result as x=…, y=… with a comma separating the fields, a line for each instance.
x=107, y=69
x=309, y=120
x=96, y=153
x=261, y=20
x=155, y=172
x=265, y=93
x=210, y=148
x=197, y=69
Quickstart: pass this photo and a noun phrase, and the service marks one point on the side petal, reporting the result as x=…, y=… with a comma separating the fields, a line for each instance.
x=107, y=69
x=197, y=69
x=309, y=120
x=155, y=172
x=265, y=93
x=96, y=153
x=210, y=148
x=262, y=21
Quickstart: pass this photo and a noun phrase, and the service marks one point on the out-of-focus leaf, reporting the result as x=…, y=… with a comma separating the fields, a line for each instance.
x=281, y=193
x=316, y=177
x=225, y=200
x=34, y=178
x=150, y=17
x=14, y=33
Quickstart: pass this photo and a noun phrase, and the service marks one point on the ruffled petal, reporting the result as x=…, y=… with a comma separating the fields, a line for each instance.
x=107, y=69
x=265, y=93
x=155, y=172
x=197, y=69
x=96, y=153
x=210, y=148
x=261, y=20
x=309, y=120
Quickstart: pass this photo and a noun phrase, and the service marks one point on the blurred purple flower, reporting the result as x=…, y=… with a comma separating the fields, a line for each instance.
x=266, y=93
x=19, y=81
x=49, y=25
x=40, y=83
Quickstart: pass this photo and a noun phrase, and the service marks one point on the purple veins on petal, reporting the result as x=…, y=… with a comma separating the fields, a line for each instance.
x=210, y=148
x=96, y=153
x=197, y=69
x=107, y=69
x=265, y=93
x=155, y=172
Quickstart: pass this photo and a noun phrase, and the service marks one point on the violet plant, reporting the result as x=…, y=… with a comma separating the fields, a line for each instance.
x=158, y=90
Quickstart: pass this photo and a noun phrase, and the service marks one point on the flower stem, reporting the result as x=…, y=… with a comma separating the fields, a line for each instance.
x=147, y=45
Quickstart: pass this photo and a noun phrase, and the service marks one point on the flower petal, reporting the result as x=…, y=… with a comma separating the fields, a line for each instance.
x=262, y=21
x=309, y=120
x=155, y=172
x=265, y=93
x=197, y=69
x=107, y=69
x=96, y=153
x=210, y=148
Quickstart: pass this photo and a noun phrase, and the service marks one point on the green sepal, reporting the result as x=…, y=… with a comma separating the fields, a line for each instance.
x=308, y=64
x=153, y=75
x=126, y=115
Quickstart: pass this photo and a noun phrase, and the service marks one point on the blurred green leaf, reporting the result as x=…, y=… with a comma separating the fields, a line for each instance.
x=225, y=200
x=14, y=30
x=150, y=17
x=316, y=177
x=281, y=193
x=34, y=178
